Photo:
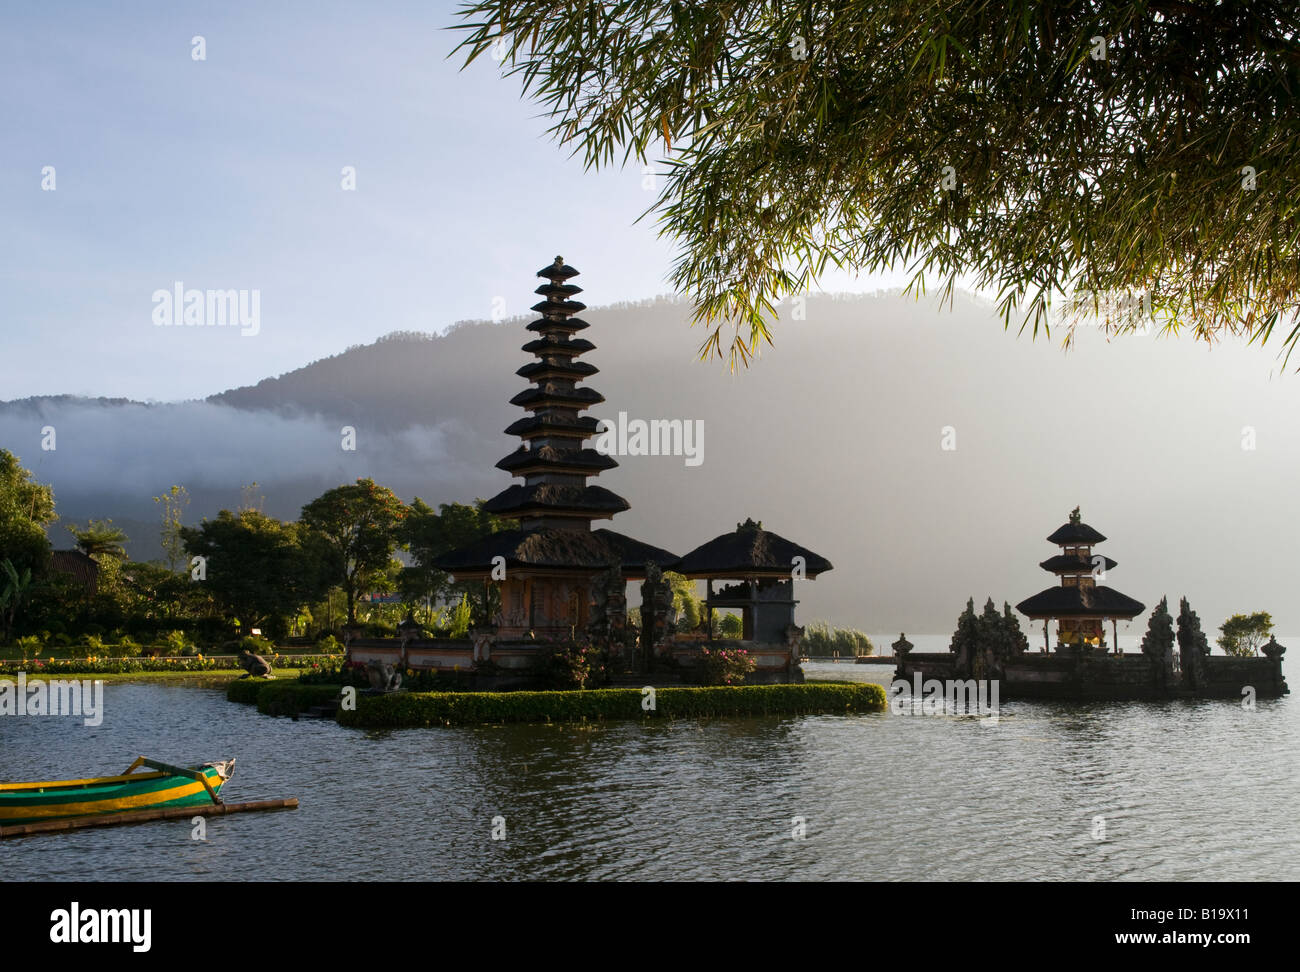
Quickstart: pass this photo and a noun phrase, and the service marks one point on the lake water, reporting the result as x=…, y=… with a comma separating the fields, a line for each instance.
x=1185, y=790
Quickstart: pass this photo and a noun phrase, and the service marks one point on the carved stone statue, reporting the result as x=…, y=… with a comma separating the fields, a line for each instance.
x=254, y=665
x=1158, y=642
x=608, y=623
x=383, y=676
x=483, y=639
x=793, y=639
x=656, y=612
x=1193, y=648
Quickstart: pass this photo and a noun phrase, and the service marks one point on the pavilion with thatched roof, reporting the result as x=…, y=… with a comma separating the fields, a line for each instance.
x=764, y=567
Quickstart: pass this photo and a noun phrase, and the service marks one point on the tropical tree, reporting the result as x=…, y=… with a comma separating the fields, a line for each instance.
x=257, y=567
x=1243, y=634
x=353, y=530
x=25, y=508
x=429, y=533
x=1136, y=158
x=730, y=625
x=15, y=586
x=173, y=503
x=99, y=539
x=686, y=603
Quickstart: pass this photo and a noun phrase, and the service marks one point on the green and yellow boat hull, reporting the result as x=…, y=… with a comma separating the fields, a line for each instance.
x=165, y=786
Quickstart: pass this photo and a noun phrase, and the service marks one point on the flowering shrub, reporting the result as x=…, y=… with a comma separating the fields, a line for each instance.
x=99, y=665
x=572, y=665
x=104, y=665
x=334, y=671
x=723, y=666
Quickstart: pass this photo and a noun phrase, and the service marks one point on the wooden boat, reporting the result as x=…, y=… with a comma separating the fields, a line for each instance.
x=166, y=786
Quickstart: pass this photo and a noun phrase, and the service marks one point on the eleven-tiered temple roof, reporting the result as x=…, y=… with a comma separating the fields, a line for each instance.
x=555, y=505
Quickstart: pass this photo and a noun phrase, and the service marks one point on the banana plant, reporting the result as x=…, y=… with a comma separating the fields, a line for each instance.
x=16, y=588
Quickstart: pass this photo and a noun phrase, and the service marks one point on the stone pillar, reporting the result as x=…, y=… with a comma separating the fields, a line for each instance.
x=656, y=614
x=1274, y=652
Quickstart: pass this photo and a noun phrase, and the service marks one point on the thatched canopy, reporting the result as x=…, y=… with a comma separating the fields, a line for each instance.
x=555, y=549
x=1064, y=564
x=1080, y=602
x=558, y=306
x=750, y=551
x=550, y=394
x=559, y=270
x=1075, y=531
x=552, y=345
x=550, y=459
x=583, y=427
x=593, y=502
x=77, y=565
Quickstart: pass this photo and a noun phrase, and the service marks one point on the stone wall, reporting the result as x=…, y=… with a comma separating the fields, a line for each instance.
x=1095, y=675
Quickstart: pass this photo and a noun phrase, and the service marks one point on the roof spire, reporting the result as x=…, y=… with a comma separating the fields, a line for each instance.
x=553, y=463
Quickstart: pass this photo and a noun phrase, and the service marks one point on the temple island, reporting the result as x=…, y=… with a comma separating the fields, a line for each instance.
x=1081, y=664
x=556, y=578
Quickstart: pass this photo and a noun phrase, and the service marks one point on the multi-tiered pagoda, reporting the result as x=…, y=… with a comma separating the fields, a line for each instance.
x=1079, y=605
x=552, y=559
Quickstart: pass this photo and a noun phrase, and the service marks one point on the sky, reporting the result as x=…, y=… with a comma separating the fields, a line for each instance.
x=226, y=174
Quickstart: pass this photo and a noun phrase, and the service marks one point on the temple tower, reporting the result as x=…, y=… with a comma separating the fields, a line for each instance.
x=1079, y=605
x=545, y=572
x=551, y=460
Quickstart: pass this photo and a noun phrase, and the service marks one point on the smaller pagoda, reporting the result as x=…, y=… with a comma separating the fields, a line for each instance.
x=1079, y=605
x=763, y=566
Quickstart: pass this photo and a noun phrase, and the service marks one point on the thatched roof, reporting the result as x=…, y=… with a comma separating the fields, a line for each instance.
x=559, y=270
x=558, y=290
x=551, y=424
x=573, y=370
x=569, y=324
x=552, y=345
x=1075, y=531
x=1077, y=602
x=749, y=551
x=558, y=306
x=556, y=549
x=552, y=394
x=1065, y=564
x=548, y=458
x=545, y=498
x=78, y=566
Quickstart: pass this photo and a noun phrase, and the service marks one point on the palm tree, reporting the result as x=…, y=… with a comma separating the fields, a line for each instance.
x=100, y=537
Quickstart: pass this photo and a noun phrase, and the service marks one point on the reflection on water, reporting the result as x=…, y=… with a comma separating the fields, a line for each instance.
x=1196, y=790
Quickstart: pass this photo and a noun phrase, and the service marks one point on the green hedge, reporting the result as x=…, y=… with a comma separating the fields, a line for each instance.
x=290, y=698
x=246, y=690
x=274, y=697
x=402, y=709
